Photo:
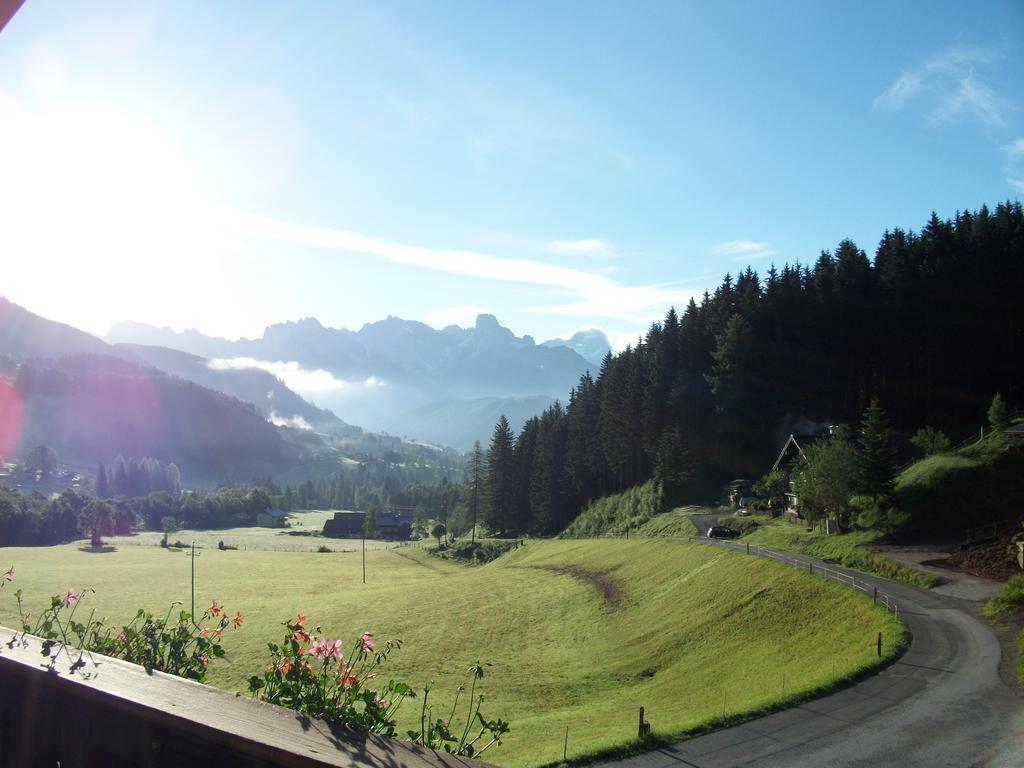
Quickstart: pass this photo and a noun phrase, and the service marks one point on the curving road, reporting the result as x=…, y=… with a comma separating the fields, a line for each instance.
x=942, y=704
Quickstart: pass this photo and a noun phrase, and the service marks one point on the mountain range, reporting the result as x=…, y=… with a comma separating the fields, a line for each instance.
x=91, y=401
x=224, y=409
x=401, y=376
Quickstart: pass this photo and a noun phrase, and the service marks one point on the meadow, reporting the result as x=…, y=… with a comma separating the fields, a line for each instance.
x=578, y=634
x=303, y=535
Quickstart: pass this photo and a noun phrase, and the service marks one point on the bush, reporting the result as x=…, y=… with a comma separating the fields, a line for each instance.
x=324, y=548
x=477, y=553
x=1009, y=597
x=613, y=515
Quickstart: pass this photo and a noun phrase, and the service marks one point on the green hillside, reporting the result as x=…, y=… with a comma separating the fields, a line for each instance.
x=951, y=492
x=579, y=633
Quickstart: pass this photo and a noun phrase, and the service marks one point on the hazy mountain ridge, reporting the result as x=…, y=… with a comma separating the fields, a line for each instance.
x=267, y=392
x=92, y=401
x=90, y=408
x=487, y=360
x=457, y=422
x=591, y=344
x=392, y=372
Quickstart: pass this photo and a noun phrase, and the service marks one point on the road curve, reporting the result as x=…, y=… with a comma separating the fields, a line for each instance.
x=942, y=704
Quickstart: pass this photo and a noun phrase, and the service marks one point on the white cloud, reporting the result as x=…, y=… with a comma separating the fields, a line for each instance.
x=592, y=294
x=576, y=247
x=290, y=372
x=1017, y=184
x=463, y=315
x=295, y=421
x=1015, y=148
x=745, y=249
x=949, y=84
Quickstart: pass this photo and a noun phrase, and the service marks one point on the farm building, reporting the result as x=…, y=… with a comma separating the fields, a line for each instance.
x=736, y=490
x=789, y=458
x=390, y=524
x=271, y=517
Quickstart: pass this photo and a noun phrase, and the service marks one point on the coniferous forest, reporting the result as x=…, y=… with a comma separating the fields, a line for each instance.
x=931, y=326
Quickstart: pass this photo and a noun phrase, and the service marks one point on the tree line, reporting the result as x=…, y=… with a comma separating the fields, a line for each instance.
x=930, y=328
x=30, y=519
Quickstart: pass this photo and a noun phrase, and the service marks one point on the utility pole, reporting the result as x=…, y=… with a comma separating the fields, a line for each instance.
x=477, y=456
x=193, y=556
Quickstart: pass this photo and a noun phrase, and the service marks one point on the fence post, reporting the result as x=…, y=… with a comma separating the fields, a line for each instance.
x=879, y=645
x=810, y=567
x=748, y=547
x=640, y=725
x=874, y=597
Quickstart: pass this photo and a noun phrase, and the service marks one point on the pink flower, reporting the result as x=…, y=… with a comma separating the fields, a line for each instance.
x=71, y=597
x=367, y=642
x=324, y=648
x=318, y=647
x=205, y=659
x=205, y=632
x=285, y=666
x=9, y=575
x=122, y=637
x=215, y=608
x=238, y=620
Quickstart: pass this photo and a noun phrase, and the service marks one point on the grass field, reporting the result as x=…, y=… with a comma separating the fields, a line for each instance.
x=279, y=539
x=579, y=633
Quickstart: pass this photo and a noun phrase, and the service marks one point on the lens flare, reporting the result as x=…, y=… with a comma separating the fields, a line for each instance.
x=10, y=417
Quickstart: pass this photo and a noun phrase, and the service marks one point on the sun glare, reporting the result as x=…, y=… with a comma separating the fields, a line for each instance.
x=94, y=192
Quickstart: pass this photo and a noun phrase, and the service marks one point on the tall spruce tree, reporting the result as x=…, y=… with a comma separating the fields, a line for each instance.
x=877, y=456
x=499, y=477
x=102, y=483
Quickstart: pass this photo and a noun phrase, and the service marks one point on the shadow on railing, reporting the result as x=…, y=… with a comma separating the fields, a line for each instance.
x=112, y=713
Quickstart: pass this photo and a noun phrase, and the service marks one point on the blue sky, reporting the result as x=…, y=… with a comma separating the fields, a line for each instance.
x=562, y=165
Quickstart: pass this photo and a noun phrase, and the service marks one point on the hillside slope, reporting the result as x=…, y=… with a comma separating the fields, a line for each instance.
x=577, y=634
x=264, y=390
x=951, y=492
x=90, y=408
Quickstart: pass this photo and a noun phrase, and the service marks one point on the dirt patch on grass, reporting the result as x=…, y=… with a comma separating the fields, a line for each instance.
x=610, y=590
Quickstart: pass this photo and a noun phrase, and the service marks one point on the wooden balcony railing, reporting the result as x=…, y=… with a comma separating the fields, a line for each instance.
x=112, y=713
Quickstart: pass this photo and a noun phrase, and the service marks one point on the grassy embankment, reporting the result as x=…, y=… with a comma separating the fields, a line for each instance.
x=579, y=633
x=951, y=492
x=1009, y=603
x=851, y=550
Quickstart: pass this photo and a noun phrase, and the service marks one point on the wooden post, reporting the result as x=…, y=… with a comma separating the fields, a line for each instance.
x=640, y=726
x=874, y=597
x=810, y=567
x=748, y=547
x=879, y=645
x=565, y=746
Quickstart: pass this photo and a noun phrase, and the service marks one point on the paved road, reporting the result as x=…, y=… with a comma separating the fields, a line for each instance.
x=703, y=522
x=942, y=704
